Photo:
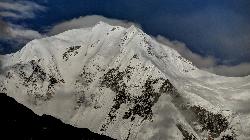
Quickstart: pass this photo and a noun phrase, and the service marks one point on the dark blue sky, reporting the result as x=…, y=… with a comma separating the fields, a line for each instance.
x=220, y=28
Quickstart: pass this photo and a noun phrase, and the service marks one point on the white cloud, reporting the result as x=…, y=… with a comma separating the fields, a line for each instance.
x=242, y=69
x=208, y=63
x=87, y=21
x=217, y=31
x=24, y=33
x=20, y=9
x=17, y=33
x=198, y=60
x=9, y=14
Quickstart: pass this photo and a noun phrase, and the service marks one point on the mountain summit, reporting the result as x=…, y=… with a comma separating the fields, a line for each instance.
x=122, y=83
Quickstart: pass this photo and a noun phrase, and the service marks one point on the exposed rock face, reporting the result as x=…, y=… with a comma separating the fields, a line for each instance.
x=122, y=83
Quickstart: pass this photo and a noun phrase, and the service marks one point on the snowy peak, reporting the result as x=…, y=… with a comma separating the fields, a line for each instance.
x=122, y=83
x=108, y=40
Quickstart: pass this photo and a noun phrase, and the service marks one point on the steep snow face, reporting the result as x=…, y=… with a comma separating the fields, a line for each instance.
x=121, y=83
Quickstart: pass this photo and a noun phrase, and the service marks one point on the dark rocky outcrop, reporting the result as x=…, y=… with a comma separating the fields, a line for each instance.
x=70, y=51
x=139, y=106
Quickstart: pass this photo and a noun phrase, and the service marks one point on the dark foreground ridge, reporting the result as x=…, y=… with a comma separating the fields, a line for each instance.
x=17, y=121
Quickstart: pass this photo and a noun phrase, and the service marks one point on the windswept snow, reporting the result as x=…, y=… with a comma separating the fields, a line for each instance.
x=121, y=83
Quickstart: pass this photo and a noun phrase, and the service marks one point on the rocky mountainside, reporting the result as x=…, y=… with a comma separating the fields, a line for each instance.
x=19, y=122
x=122, y=83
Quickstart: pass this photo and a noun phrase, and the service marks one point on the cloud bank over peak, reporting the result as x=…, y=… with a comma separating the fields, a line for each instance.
x=239, y=70
x=208, y=63
x=88, y=21
x=198, y=60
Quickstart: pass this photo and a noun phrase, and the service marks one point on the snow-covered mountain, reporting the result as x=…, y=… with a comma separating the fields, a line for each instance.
x=122, y=83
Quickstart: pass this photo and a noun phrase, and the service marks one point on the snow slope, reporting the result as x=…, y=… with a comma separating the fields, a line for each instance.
x=121, y=83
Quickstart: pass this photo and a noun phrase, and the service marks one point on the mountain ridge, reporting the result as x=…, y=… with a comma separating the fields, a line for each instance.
x=116, y=81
